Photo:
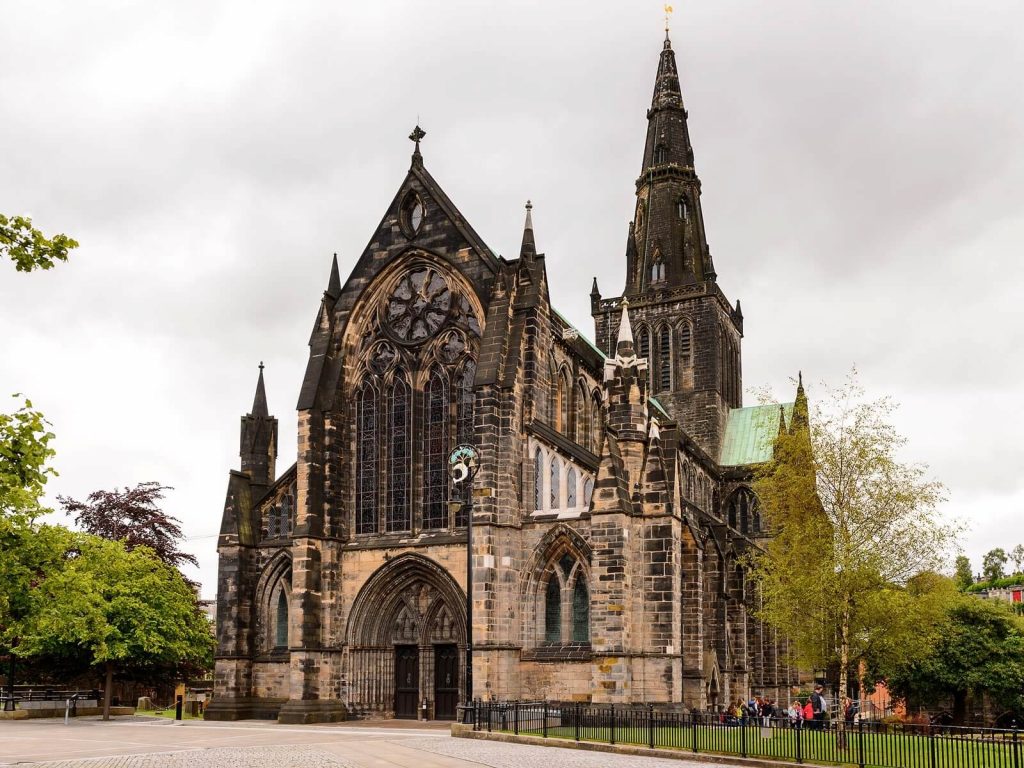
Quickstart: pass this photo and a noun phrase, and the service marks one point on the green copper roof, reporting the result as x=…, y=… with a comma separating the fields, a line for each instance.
x=750, y=434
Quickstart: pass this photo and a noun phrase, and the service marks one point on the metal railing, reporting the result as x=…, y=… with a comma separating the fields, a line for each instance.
x=864, y=743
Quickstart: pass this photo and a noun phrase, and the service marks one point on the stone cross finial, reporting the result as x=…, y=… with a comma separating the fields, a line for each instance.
x=417, y=134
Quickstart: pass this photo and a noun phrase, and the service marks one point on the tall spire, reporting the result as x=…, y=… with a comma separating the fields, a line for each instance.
x=334, y=282
x=801, y=416
x=669, y=248
x=529, y=247
x=259, y=403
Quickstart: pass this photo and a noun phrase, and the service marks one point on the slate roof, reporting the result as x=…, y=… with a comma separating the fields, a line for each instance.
x=750, y=434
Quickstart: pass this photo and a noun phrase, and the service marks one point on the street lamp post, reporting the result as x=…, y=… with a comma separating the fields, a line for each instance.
x=462, y=464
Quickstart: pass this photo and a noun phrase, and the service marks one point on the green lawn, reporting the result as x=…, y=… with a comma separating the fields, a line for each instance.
x=890, y=750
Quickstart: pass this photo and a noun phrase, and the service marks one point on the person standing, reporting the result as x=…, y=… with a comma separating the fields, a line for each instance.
x=819, y=705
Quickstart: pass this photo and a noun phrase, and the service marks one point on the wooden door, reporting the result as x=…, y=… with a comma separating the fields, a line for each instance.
x=407, y=681
x=446, y=681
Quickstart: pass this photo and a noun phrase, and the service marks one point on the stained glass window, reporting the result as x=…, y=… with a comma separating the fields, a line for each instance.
x=435, y=452
x=538, y=479
x=570, y=488
x=464, y=433
x=399, y=405
x=367, y=447
x=665, y=359
x=588, y=491
x=281, y=621
x=553, y=611
x=285, y=521
x=596, y=422
x=555, y=491
x=580, y=611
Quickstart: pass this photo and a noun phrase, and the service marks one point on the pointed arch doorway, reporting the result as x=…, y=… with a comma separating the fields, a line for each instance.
x=407, y=641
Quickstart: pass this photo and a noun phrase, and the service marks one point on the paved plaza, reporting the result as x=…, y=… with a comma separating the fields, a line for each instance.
x=147, y=743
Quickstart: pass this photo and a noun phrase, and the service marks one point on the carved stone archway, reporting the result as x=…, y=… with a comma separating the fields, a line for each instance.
x=406, y=613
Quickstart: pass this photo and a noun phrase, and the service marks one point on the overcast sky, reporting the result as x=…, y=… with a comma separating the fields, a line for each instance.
x=862, y=167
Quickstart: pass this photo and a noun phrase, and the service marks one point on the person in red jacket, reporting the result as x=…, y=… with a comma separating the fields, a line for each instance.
x=809, y=713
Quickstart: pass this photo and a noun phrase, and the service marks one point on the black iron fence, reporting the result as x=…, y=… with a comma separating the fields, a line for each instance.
x=863, y=743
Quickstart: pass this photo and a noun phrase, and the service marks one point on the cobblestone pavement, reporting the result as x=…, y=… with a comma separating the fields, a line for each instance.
x=219, y=757
x=137, y=743
x=501, y=755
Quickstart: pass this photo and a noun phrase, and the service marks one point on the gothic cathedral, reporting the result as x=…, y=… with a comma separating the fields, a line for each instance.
x=612, y=505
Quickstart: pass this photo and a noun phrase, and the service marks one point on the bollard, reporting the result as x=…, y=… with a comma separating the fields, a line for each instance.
x=178, y=704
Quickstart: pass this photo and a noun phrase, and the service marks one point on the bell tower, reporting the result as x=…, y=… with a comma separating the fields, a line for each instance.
x=682, y=321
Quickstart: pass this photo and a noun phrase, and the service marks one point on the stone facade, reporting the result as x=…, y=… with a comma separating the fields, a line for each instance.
x=611, y=508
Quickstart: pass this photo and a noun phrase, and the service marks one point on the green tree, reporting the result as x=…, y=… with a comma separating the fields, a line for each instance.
x=993, y=564
x=963, y=576
x=24, y=453
x=120, y=609
x=29, y=248
x=1017, y=556
x=856, y=533
x=979, y=651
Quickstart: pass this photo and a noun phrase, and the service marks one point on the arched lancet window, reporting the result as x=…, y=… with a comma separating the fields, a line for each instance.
x=744, y=516
x=435, y=452
x=643, y=343
x=732, y=513
x=583, y=429
x=755, y=516
x=588, y=491
x=596, y=422
x=464, y=387
x=580, y=610
x=562, y=402
x=555, y=490
x=685, y=345
x=538, y=479
x=553, y=611
x=660, y=153
x=665, y=359
x=570, y=488
x=682, y=210
x=281, y=621
x=657, y=272
x=367, y=471
x=285, y=520
x=399, y=408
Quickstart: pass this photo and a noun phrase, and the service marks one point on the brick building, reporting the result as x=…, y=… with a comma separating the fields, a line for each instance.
x=612, y=504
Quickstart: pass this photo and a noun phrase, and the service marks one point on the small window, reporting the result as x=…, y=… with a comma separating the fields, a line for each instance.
x=538, y=479
x=553, y=611
x=588, y=491
x=570, y=488
x=682, y=211
x=555, y=490
x=416, y=216
x=411, y=216
x=643, y=343
x=665, y=359
x=281, y=622
x=685, y=345
x=660, y=154
x=580, y=611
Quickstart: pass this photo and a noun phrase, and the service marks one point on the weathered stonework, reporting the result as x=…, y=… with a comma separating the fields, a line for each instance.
x=606, y=532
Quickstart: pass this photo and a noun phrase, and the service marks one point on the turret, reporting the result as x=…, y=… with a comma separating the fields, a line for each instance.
x=258, y=443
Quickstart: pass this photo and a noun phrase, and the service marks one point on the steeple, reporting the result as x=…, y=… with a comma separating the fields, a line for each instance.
x=258, y=441
x=259, y=402
x=668, y=247
x=529, y=247
x=801, y=416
